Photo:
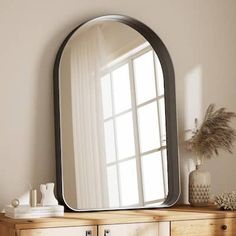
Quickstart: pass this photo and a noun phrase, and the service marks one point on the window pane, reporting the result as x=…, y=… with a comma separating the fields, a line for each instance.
x=162, y=121
x=109, y=141
x=128, y=183
x=106, y=96
x=153, y=173
x=164, y=159
x=144, y=77
x=159, y=75
x=113, y=191
x=125, y=136
x=148, y=127
x=121, y=89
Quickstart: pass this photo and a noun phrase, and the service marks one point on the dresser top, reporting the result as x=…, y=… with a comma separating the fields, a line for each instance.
x=119, y=217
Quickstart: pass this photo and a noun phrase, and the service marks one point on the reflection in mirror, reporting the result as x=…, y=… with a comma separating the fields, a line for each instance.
x=113, y=124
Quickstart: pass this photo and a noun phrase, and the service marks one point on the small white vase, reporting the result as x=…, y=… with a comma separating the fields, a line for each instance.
x=199, y=187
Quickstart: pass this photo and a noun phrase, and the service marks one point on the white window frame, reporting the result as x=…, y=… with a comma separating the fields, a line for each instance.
x=128, y=59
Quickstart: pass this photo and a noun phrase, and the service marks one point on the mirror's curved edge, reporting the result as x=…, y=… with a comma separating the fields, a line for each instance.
x=170, y=104
x=56, y=96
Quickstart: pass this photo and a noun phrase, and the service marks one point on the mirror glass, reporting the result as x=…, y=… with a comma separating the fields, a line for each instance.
x=112, y=119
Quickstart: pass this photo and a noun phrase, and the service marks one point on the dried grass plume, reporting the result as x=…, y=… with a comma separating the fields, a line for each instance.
x=214, y=133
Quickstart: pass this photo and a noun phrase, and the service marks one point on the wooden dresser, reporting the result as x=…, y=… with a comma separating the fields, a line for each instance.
x=179, y=221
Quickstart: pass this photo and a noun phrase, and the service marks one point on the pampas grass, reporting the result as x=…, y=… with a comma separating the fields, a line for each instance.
x=214, y=133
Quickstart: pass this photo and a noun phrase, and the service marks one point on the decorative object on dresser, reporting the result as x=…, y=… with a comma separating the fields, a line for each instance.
x=48, y=197
x=33, y=197
x=28, y=212
x=226, y=201
x=47, y=208
x=199, y=187
x=214, y=133
x=15, y=202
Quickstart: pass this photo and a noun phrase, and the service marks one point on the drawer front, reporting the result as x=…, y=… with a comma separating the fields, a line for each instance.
x=209, y=227
x=139, y=229
x=64, y=231
x=6, y=231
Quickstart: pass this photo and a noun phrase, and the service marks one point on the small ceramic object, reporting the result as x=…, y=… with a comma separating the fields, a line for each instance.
x=48, y=197
x=199, y=187
x=33, y=197
x=15, y=202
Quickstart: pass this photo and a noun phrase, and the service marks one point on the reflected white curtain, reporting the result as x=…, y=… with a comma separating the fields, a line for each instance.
x=87, y=58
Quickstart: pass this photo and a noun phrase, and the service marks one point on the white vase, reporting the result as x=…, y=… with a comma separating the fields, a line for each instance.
x=199, y=187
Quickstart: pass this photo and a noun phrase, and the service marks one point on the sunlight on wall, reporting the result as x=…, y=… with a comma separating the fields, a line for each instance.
x=193, y=96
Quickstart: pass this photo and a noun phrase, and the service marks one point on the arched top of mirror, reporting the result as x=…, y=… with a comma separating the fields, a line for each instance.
x=116, y=137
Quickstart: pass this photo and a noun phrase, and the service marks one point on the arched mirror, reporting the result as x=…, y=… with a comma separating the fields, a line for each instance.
x=115, y=118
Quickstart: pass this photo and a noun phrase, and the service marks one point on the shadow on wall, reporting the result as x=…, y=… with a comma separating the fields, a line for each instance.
x=44, y=119
x=44, y=113
x=41, y=167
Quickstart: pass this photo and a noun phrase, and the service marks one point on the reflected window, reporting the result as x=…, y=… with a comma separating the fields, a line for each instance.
x=135, y=130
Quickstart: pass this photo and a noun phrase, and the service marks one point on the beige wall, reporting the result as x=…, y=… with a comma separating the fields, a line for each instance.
x=200, y=35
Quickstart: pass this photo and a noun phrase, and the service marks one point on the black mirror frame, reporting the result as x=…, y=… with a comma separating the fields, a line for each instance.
x=170, y=110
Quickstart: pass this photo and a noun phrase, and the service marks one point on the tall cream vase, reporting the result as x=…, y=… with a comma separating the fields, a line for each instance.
x=199, y=186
